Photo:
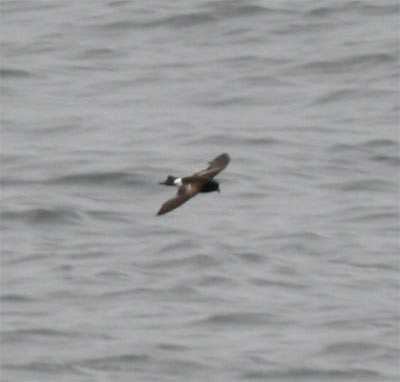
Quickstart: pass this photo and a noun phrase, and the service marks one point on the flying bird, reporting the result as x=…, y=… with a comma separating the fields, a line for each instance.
x=190, y=186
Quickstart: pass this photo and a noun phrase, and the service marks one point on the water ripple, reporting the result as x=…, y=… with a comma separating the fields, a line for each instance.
x=43, y=216
x=111, y=177
x=15, y=73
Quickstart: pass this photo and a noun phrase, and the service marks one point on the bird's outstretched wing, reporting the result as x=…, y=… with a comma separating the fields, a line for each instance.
x=215, y=167
x=185, y=192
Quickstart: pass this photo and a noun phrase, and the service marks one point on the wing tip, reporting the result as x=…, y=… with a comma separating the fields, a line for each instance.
x=220, y=156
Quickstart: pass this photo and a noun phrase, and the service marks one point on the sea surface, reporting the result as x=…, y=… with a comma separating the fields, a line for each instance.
x=290, y=274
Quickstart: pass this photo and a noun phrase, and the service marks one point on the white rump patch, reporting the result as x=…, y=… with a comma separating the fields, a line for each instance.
x=178, y=182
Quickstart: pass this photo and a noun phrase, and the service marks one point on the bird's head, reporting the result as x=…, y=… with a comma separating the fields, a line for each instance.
x=169, y=181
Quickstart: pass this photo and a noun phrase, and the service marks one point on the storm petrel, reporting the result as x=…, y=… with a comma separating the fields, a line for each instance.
x=190, y=186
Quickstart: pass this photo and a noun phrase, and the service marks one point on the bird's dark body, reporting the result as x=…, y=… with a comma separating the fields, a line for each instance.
x=189, y=186
x=205, y=185
x=209, y=186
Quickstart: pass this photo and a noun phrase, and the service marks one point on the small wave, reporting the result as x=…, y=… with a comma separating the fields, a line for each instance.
x=349, y=63
x=357, y=6
x=321, y=12
x=186, y=20
x=363, y=215
x=384, y=151
x=229, y=101
x=337, y=95
x=300, y=235
x=13, y=297
x=42, y=215
x=315, y=374
x=226, y=10
x=17, y=335
x=45, y=367
x=121, y=362
x=107, y=216
x=262, y=80
x=252, y=257
x=378, y=143
x=172, y=347
x=240, y=319
x=15, y=73
x=217, y=281
x=275, y=283
x=370, y=144
x=367, y=185
x=237, y=140
x=199, y=260
x=387, y=159
x=354, y=349
x=176, y=21
x=126, y=362
x=247, y=10
x=112, y=178
x=123, y=25
x=100, y=53
x=176, y=246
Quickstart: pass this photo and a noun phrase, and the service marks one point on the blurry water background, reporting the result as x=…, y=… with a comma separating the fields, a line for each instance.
x=291, y=273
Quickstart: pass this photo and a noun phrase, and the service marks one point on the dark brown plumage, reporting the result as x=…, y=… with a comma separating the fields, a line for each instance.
x=191, y=185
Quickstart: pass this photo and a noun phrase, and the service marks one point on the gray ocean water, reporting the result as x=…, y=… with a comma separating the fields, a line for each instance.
x=290, y=274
